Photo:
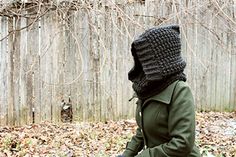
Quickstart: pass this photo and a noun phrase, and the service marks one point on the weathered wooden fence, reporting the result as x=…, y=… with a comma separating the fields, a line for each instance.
x=50, y=51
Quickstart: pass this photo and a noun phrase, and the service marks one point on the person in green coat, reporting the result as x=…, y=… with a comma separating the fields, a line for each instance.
x=165, y=112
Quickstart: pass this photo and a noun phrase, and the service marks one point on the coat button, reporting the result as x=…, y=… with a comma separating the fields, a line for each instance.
x=140, y=114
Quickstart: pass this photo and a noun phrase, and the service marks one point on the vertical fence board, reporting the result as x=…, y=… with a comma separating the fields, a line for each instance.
x=129, y=62
x=60, y=45
x=23, y=70
x=73, y=60
x=16, y=71
x=80, y=66
x=33, y=77
x=3, y=72
x=118, y=59
x=96, y=63
x=108, y=66
x=10, y=106
x=102, y=20
x=47, y=70
x=56, y=90
x=83, y=38
x=1, y=75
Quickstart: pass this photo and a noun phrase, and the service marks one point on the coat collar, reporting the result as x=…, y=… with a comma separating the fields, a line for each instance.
x=165, y=96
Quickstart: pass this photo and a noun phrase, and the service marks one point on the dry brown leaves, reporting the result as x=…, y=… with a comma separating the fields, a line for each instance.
x=215, y=136
x=82, y=139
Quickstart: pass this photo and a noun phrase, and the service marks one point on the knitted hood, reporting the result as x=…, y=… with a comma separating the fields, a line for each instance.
x=157, y=52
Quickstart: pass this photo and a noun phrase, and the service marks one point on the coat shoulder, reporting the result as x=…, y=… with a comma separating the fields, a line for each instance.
x=182, y=87
x=182, y=84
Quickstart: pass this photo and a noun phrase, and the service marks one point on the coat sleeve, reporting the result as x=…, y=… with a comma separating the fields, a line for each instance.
x=135, y=145
x=181, y=126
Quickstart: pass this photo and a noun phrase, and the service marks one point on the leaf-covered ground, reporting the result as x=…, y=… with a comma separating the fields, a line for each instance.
x=216, y=136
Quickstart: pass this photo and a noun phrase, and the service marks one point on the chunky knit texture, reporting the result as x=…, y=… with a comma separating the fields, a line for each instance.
x=159, y=52
x=157, y=61
x=145, y=89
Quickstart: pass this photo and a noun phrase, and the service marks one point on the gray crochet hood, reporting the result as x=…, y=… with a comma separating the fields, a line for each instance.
x=157, y=52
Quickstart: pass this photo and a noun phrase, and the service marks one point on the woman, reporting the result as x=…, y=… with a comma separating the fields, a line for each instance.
x=165, y=108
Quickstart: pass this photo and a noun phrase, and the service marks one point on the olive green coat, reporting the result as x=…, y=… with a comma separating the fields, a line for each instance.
x=166, y=125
